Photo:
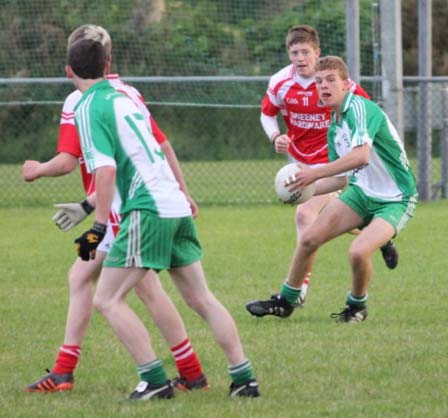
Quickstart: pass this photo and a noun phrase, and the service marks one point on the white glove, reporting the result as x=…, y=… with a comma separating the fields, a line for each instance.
x=71, y=214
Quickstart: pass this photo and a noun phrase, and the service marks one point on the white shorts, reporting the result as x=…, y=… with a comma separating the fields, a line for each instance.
x=107, y=241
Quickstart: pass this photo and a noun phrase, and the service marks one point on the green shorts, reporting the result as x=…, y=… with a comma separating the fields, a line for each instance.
x=147, y=241
x=368, y=208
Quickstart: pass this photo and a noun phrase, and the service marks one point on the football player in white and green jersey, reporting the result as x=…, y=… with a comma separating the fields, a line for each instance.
x=380, y=198
x=157, y=230
x=387, y=176
x=144, y=178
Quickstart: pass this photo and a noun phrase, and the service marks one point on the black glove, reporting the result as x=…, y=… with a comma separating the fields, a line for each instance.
x=89, y=241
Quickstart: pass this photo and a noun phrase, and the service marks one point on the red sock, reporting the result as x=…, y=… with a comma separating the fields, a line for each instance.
x=67, y=359
x=187, y=362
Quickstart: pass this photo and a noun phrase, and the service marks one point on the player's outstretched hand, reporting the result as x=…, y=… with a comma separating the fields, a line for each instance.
x=89, y=241
x=71, y=214
x=30, y=170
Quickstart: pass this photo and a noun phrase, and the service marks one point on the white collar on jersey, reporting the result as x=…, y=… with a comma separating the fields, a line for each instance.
x=304, y=82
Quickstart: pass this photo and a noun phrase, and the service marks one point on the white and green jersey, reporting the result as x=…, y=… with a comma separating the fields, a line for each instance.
x=387, y=175
x=114, y=132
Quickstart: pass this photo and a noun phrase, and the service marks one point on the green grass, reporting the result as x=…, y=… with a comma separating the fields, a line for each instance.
x=393, y=365
x=218, y=182
x=211, y=183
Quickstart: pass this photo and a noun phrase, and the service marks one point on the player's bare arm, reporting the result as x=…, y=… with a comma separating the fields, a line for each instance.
x=59, y=165
x=175, y=167
x=357, y=157
x=105, y=186
x=330, y=185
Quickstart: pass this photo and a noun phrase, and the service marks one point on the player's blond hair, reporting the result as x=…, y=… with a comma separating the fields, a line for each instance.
x=94, y=32
x=302, y=34
x=332, y=62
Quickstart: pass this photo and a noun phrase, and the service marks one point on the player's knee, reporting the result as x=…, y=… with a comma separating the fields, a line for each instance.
x=149, y=290
x=98, y=303
x=304, y=216
x=196, y=303
x=309, y=242
x=80, y=277
x=142, y=294
x=201, y=304
x=356, y=255
x=102, y=305
x=72, y=280
x=78, y=281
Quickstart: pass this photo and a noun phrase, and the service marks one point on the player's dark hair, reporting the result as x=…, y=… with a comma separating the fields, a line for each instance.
x=87, y=59
x=302, y=34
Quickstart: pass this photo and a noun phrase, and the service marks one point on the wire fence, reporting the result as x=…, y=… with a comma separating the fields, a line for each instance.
x=224, y=152
x=211, y=62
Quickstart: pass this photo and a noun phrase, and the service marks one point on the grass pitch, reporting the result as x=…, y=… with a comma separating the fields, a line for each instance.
x=393, y=365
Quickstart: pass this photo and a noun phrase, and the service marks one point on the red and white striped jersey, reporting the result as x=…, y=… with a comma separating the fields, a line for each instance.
x=69, y=142
x=296, y=98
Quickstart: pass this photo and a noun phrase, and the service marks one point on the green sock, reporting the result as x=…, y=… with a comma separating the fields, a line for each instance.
x=356, y=301
x=291, y=294
x=153, y=372
x=242, y=372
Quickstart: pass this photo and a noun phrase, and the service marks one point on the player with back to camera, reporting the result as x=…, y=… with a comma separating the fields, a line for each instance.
x=157, y=230
x=380, y=198
x=82, y=274
x=292, y=92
